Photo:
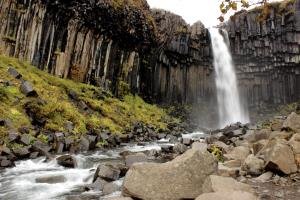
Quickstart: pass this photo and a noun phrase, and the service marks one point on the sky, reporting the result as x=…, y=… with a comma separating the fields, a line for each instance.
x=207, y=11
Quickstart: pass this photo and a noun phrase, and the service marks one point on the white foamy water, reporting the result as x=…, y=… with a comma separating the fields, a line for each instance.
x=230, y=107
x=19, y=183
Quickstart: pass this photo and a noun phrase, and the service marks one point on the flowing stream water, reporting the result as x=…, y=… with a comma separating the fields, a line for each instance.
x=19, y=183
x=230, y=107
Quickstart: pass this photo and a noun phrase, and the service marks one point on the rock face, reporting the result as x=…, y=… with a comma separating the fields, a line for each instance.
x=267, y=53
x=157, y=54
x=181, y=178
x=68, y=40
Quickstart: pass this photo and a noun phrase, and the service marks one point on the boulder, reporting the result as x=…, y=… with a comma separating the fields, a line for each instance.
x=181, y=178
x=235, y=195
x=281, y=135
x=27, y=89
x=215, y=183
x=97, y=185
x=21, y=152
x=232, y=163
x=110, y=188
x=253, y=165
x=179, y=148
x=200, y=146
x=51, y=179
x=6, y=163
x=264, y=177
x=14, y=73
x=238, y=153
x=259, y=145
x=26, y=139
x=187, y=141
x=13, y=136
x=295, y=144
x=292, y=122
x=117, y=198
x=107, y=172
x=67, y=161
x=278, y=156
x=228, y=171
x=135, y=158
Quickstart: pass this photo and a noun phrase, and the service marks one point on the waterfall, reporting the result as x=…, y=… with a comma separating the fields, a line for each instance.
x=230, y=107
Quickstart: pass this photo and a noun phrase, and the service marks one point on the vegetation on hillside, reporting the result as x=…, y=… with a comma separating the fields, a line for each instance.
x=63, y=101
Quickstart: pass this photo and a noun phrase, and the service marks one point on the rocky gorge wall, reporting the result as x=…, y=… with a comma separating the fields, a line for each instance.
x=266, y=53
x=97, y=42
x=124, y=46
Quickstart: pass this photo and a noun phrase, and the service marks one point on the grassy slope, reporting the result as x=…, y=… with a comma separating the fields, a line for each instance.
x=104, y=111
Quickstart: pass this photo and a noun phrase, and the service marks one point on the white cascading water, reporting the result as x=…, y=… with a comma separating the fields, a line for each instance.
x=230, y=107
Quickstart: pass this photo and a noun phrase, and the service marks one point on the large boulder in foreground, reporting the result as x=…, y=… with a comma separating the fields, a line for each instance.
x=235, y=195
x=181, y=178
x=215, y=183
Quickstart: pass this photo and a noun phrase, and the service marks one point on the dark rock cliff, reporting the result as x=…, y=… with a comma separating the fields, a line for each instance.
x=124, y=46
x=267, y=53
x=98, y=42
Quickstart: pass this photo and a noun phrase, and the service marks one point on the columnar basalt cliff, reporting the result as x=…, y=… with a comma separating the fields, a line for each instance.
x=98, y=42
x=124, y=46
x=266, y=53
x=182, y=62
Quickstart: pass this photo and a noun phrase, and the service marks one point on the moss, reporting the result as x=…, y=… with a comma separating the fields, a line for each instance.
x=43, y=138
x=9, y=39
x=55, y=106
x=217, y=152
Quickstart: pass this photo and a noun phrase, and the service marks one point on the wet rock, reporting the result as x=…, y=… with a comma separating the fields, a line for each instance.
x=21, y=152
x=253, y=165
x=107, y=172
x=27, y=89
x=181, y=178
x=97, y=185
x=110, y=188
x=14, y=73
x=6, y=163
x=167, y=148
x=84, y=144
x=292, y=122
x=135, y=158
x=187, y=141
x=235, y=195
x=34, y=155
x=278, y=156
x=179, y=148
x=67, y=161
x=51, y=179
x=224, y=184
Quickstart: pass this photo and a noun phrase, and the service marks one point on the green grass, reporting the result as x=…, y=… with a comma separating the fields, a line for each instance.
x=56, y=107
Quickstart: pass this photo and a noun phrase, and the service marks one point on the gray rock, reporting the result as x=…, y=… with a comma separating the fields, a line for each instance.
x=13, y=136
x=51, y=179
x=187, y=141
x=14, y=73
x=26, y=139
x=215, y=183
x=179, y=148
x=264, y=177
x=108, y=172
x=238, y=153
x=27, y=89
x=110, y=188
x=6, y=163
x=253, y=165
x=135, y=158
x=292, y=122
x=67, y=161
x=232, y=195
x=200, y=146
x=278, y=156
x=22, y=152
x=181, y=178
